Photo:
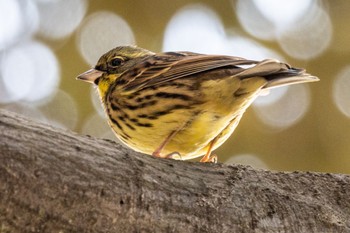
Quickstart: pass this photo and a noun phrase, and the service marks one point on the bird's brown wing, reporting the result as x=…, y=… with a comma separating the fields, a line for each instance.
x=165, y=67
x=161, y=68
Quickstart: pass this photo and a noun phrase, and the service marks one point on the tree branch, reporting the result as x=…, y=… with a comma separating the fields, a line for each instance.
x=53, y=180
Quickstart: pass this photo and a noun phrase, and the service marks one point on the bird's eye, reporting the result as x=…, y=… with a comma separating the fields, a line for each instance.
x=116, y=62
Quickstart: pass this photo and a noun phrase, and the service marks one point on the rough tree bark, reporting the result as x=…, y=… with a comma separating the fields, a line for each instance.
x=52, y=180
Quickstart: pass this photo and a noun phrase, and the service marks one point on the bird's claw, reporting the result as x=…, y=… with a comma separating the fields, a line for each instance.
x=209, y=159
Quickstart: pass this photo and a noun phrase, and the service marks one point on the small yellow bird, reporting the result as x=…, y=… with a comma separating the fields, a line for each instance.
x=181, y=105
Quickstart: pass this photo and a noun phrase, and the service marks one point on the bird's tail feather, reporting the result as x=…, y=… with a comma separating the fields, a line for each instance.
x=278, y=73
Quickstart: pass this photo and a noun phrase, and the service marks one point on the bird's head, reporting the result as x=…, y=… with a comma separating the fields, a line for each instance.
x=112, y=65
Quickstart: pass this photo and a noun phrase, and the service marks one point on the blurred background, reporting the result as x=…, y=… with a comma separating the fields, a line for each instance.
x=45, y=44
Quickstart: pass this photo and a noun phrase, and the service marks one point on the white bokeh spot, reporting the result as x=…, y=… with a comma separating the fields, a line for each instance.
x=18, y=20
x=60, y=18
x=341, y=91
x=287, y=110
x=302, y=28
x=101, y=32
x=283, y=12
x=29, y=72
x=195, y=28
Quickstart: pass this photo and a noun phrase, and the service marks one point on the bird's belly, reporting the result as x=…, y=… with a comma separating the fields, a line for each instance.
x=194, y=140
x=195, y=126
x=195, y=131
x=148, y=137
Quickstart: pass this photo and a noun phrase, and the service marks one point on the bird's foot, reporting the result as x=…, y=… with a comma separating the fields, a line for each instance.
x=173, y=155
x=208, y=158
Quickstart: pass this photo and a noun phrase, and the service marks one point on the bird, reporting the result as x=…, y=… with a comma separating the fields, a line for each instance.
x=181, y=105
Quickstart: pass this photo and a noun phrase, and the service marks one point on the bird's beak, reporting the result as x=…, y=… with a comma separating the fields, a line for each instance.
x=90, y=76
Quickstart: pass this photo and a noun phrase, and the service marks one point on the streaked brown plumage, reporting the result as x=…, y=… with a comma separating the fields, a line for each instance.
x=181, y=102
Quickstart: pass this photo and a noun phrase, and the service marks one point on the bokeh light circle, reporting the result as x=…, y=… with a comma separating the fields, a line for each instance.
x=287, y=110
x=310, y=38
x=30, y=72
x=194, y=28
x=253, y=21
x=101, y=32
x=271, y=97
x=59, y=19
x=10, y=21
x=341, y=91
x=302, y=28
x=283, y=12
x=18, y=20
x=15, y=85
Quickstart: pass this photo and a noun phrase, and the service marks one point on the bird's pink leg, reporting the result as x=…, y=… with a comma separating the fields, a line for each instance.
x=157, y=152
x=208, y=157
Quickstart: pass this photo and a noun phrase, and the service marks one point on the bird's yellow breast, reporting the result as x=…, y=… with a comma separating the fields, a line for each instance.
x=216, y=113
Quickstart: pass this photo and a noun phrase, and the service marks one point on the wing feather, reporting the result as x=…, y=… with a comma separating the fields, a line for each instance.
x=161, y=68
